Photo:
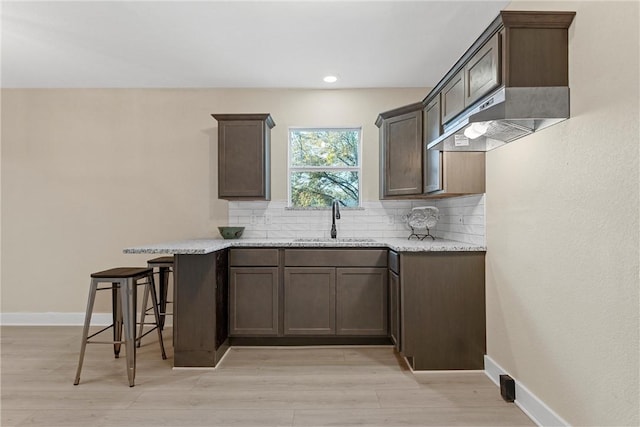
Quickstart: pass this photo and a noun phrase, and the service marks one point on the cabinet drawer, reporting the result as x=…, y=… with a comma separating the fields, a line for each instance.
x=335, y=257
x=253, y=257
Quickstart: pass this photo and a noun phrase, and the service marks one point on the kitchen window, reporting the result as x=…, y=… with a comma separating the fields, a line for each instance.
x=324, y=165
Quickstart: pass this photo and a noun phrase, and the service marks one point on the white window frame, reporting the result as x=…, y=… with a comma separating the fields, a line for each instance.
x=291, y=168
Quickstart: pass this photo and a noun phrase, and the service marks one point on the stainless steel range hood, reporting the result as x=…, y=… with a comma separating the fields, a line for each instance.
x=504, y=116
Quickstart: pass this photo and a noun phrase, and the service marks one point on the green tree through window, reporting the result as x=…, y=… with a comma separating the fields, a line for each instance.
x=324, y=165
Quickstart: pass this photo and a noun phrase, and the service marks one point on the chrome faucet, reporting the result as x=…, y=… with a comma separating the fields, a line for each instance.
x=335, y=214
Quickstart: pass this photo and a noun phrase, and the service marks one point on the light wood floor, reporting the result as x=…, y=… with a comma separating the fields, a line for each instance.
x=252, y=387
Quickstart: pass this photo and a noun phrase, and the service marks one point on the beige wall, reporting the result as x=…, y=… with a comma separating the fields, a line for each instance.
x=563, y=232
x=86, y=173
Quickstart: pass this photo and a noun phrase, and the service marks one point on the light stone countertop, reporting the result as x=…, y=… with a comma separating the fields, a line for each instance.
x=205, y=246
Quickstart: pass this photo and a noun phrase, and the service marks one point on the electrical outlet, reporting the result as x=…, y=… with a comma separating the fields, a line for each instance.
x=254, y=220
x=267, y=219
x=390, y=220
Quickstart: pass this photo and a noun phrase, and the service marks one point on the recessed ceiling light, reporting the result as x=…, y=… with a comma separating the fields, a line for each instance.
x=330, y=79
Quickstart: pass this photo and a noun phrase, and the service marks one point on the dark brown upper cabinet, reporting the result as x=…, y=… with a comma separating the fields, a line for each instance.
x=479, y=76
x=432, y=129
x=407, y=170
x=401, y=151
x=518, y=49
x=482, y=72
x=453, y=97
x=535, y=50
x=244, y=156
x=432, y=119
x=455, y=173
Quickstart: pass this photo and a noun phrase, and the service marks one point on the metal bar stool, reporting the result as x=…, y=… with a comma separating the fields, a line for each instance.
x=124, y=282
x=164, y=265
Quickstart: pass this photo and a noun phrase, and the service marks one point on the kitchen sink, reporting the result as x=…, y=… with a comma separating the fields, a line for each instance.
x=325, y=239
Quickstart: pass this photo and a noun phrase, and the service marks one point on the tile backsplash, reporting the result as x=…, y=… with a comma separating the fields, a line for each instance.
x=461, y=219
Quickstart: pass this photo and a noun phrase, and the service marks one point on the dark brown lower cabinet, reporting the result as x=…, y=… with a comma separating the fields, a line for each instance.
x=361, y=301
x=253, y=301
x=442, y=296
x=431, y=304
x=335, y=301
x=200, y=304
x=309, y=301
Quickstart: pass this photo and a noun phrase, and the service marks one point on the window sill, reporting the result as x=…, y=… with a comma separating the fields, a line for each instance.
x=323, y=208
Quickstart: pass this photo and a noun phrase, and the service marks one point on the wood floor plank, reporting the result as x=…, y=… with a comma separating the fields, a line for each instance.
x=345, y=368
x=158, y=418
x=13, y=417
x=199, y=418
x=307, y=382
x=75, y=399
x=257, y=399
x=97, y=381
x=412, y=417
x=428, y=397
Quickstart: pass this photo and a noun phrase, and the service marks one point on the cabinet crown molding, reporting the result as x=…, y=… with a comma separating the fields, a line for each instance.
x=535, y=19
x=266, y=117
x=416, y=106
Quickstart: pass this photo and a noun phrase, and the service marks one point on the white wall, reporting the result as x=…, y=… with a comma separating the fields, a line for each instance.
x=86, y=173
x=563, y=232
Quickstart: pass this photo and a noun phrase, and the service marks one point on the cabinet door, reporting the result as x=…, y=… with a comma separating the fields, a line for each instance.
x=463, y=172
x=432, y=120
x=244, y=156
x=361, y=301
x=253, y=301
x=394, y=309
x=453, y=97
x=402, y=155
x=482, y=72
x=443, y=309
x=309, y=301
x=432, y=158
x=433, y=169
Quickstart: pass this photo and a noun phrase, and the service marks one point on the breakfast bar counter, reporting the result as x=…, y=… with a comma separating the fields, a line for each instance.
x=205, y=246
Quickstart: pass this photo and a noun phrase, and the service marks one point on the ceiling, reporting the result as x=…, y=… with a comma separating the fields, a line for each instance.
x=256, y=44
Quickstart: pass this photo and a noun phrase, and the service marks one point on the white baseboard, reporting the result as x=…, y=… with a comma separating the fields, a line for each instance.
x=529, y=403
x=52, y=319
